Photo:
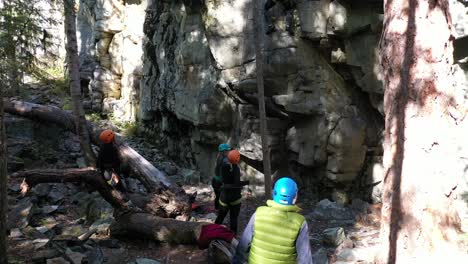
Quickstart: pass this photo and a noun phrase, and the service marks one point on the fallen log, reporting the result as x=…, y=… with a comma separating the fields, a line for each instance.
x=172, y=200
x=144, y=225
x=131, y=221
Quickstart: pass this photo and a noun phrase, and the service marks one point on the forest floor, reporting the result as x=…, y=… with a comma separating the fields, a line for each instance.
x=45, y=223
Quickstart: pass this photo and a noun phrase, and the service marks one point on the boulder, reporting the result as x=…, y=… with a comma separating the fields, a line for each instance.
x=347, y=150
x=327, y=210
x=58, y=260
x=313, y=16
x=320, y=257
x=334, y=236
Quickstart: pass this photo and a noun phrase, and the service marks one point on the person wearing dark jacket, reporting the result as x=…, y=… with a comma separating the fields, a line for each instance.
x=230, y=198
x=108, y=160
x=217, y=181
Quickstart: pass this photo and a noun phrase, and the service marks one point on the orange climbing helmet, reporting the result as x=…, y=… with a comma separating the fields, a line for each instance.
x=107, y=136
x=234, y=156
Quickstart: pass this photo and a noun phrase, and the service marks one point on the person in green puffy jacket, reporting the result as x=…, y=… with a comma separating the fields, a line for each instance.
x=276, y=233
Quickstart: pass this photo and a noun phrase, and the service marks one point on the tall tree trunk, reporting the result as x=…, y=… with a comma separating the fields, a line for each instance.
x=261, y=96
x=75, y=86
x=419, y=223
x=3, y=183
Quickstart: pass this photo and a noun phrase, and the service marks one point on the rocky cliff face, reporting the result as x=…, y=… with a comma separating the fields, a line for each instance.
x=111, y=34
x=195, y=85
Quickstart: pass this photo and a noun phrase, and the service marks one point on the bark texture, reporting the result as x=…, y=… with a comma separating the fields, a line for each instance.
x=3, y=183
x=75, y=85
x=261, y=96
x=419, y=223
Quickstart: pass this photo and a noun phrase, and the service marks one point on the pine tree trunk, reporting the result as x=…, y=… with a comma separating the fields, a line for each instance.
x=75, y=86
x=419, y=222
x=261, y=97
x=3, y=183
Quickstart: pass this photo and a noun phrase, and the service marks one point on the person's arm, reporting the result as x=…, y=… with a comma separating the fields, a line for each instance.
x=244, y=244
x=304, y=255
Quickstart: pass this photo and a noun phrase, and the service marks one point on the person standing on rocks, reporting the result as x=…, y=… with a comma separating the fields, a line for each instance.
x=108, y=161
x=230, y=197
x=276, y=233
x=217, y=181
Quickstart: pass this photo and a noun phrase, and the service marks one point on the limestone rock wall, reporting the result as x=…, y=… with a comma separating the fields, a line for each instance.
x=199, y=86
x=185, y=69
x=111, y=37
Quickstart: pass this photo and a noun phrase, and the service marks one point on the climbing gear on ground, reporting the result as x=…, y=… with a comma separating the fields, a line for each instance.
x=234, y=156
x=285, y=191
x=224, y=147
x=107, y=136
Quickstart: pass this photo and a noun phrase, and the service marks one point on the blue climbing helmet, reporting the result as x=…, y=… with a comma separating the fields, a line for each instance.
x=224, y=147
x=285, y=191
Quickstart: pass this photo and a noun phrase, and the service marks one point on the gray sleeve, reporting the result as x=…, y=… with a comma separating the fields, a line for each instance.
x=244, y=244
x=304, y=255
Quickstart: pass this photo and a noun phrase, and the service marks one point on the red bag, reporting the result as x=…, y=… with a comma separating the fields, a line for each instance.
x=213, y=231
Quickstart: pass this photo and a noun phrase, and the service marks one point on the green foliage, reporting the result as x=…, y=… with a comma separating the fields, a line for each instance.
x=67, y=104
x=21, y=34
x=55, y=78
x=93, y=117
x=128, y=129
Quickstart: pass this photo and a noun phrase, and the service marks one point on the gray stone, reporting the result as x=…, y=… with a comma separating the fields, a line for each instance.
x=109, y=243
x=102, y=226
x=42, y=189
x=145, y=261
x=73, y=231
x=338, y=16
x=79, y=196
x=20, y=214
x=338, y=56
x=169, y=168
x=95, y=256
x=15, y=233
x=375, y=172
x=49, y=209
x=96, y=208
x=210, y=216
x=190, y=176
x=75, y=257
x=41, y=256
x=357, y=254
x=115, y=256
x=327, y=210
x=320, y=257
x=313, y=16
x=116, y=51
x=366, y=62
x=49, y=222
x=57, y=193
x=59, y=260
x=347, y=150
x=334, y=236
x=42, y=229
x=40, y=242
